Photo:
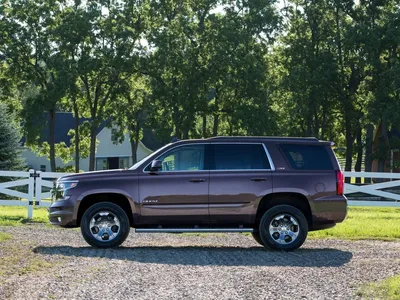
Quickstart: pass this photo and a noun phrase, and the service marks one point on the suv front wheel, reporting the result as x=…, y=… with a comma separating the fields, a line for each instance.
x=283, y=227
x=105, y=225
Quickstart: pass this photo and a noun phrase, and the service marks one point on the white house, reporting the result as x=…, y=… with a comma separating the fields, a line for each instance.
x=109, y=155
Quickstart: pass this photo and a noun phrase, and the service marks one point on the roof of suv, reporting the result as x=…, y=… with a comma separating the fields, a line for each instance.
x=269, y=138
x=258, y=139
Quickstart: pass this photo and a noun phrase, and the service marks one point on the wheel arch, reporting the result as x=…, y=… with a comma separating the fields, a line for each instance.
x=114, y=197
x=297, y=200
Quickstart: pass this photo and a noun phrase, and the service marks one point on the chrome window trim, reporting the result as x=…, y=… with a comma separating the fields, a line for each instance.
x=271, y=163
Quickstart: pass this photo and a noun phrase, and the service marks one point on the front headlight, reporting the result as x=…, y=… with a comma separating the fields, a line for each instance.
x=66, y=185
x=58, y=192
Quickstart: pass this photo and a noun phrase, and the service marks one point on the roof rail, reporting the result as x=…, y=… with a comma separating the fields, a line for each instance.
x=265, y=137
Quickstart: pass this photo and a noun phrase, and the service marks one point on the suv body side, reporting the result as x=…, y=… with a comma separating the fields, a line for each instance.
x=220, y=198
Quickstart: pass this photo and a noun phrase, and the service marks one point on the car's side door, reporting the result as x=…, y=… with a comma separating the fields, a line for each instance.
x=240, y=175
x=178, y=193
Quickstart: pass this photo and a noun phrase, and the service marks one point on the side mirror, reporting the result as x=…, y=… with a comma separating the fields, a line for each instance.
x=156, y=165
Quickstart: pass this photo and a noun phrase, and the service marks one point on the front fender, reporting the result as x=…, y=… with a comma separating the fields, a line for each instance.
x=134, y=208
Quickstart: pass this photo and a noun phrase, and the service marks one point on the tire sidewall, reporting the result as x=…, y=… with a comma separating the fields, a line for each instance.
x=257, y=238
x=272, y=213
x=113, y=208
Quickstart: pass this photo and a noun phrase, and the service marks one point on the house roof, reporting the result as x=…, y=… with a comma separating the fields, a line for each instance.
x=64, y=122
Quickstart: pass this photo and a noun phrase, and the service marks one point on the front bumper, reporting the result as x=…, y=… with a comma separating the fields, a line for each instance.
x=61, y=213
x=328, y=211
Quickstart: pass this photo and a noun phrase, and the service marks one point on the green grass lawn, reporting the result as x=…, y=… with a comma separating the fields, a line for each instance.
x=17, y=215
x=385, y=289
x=365, y=223
x=361, y=223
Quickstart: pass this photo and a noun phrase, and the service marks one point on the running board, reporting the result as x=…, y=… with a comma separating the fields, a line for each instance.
x=184, y=230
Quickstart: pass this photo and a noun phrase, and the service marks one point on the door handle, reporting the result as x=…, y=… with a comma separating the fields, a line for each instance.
x=259, y=179
x=197, y=180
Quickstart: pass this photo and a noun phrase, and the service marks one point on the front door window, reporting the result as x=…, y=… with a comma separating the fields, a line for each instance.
x=184, y=158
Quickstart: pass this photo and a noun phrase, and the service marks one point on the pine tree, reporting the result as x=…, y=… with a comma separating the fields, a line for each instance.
x=10, y=152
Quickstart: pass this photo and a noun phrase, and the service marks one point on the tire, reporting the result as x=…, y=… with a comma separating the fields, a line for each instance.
x=283, y=227
x=105, y=225
x=256, y=236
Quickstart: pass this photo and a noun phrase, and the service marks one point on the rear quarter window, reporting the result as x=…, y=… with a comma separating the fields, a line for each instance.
x=307, y=157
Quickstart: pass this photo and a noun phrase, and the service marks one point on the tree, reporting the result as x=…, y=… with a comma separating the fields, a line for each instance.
x=103, y=53
x=128, y=111
x=10, y=159
x=28, y=49
x=211, y=66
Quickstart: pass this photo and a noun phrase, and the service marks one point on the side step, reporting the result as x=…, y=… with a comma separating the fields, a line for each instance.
x=184, y=230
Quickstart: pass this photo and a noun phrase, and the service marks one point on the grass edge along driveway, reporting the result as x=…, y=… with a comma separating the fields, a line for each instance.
x=374, y=223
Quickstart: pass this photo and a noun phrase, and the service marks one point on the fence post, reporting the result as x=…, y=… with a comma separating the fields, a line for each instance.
x=31, y=188
x=38, y=188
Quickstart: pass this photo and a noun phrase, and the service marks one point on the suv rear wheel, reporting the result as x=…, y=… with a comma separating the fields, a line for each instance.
x=105, y=225
x=283, y=227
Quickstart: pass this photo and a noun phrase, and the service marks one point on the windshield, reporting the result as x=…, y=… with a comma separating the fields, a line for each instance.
x=139, y=163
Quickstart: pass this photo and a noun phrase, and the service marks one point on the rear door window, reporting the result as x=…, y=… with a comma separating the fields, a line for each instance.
x=240, y=157
x=307, y=157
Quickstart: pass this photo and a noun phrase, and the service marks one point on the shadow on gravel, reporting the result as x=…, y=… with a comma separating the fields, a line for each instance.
x=206, y=256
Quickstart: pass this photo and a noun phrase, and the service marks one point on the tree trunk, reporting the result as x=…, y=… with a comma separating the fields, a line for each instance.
x=358, y=164
x=216, y=123
x=77, y=136
x=134, y=147
x=349, y=151
x=216, y=115
x=368, y=151
x=309, y=125
x=204, y=126
x=177, y=123
x=382, y=141
x=134, y=140
x=52, y=119
x=186, y=133
x=92, y=155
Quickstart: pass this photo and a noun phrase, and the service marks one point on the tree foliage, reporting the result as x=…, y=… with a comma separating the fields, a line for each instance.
x=193, y=69
x=10, y=159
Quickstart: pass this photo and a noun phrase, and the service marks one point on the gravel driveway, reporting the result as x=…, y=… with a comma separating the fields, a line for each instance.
x=212, y=266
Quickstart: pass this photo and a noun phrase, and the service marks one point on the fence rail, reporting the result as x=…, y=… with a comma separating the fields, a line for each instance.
x=387, y=198
x=31, y=188
x=21, y=180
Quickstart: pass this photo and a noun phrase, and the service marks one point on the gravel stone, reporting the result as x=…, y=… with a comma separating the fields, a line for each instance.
x=212, y=266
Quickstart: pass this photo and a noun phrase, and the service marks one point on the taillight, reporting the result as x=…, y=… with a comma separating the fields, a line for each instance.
x=340, y=182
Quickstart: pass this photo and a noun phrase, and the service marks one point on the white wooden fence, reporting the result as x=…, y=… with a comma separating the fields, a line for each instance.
x=375, y=189
x=34, y=183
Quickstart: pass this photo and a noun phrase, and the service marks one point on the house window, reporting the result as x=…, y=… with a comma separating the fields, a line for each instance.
x=107, y=163
x=43, y=168
x=101, y=164
x=123, y=162
x=114, y=136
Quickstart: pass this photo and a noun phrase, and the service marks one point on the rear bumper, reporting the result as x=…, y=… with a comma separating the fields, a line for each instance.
x=328, y=211
x=61, y=213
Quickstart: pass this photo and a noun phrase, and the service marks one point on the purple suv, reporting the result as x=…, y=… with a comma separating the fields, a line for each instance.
x=276, y=188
